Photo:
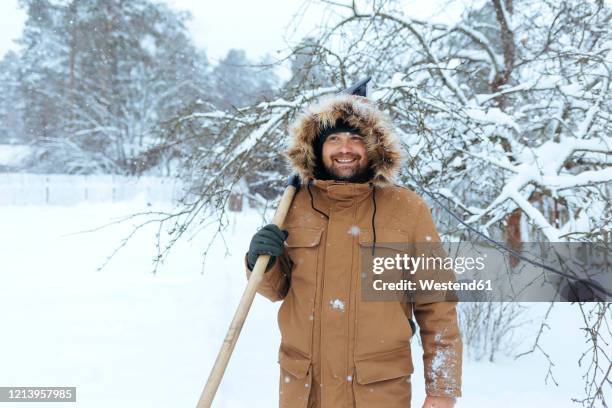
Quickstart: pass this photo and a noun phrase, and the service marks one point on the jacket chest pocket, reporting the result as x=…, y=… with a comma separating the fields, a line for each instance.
x=303, y=248
x=296, y=313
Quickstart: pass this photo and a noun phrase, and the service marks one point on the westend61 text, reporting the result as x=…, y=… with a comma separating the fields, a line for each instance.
x=432, y=284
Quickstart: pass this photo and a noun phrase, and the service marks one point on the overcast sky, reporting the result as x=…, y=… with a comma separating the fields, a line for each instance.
x=258, y=26
x=11, y=24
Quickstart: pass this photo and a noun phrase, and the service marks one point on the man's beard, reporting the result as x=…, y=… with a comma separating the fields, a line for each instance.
x=360, y=175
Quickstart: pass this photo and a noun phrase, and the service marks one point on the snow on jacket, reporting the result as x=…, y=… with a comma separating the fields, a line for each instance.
x=336, y=349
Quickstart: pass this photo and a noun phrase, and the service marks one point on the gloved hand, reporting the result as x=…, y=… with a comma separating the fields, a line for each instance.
x=268, y=240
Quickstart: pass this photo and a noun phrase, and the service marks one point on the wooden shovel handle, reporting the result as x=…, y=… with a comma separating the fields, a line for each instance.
x=214, y=379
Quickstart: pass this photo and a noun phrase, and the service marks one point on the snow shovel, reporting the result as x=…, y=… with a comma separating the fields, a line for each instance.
x=214, y=379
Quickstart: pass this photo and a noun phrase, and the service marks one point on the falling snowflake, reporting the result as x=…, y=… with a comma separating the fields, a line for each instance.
x=337, y=304
x=349, y=378
x=354, y=230
x=287, y=379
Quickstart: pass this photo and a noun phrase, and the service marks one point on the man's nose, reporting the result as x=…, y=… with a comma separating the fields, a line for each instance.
x=345, y=146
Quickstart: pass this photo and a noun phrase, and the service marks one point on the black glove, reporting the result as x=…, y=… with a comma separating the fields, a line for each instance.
x=268, y=240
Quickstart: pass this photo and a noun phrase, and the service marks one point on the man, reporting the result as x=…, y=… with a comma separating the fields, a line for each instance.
x=336, y=349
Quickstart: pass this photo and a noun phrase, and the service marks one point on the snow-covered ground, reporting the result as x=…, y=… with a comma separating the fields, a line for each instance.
x=128, y=338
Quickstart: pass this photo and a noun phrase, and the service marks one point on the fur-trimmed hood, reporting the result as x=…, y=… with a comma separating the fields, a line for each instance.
x=383, y=148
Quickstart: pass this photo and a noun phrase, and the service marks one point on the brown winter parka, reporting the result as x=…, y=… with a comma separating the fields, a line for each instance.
x=338, y=350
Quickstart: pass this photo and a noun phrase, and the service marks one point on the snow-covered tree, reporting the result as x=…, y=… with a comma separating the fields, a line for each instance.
x=98, y=77
x=238, y=82
x=307, y=70
x=511, y=118
x=41, y=70
x=11, y=122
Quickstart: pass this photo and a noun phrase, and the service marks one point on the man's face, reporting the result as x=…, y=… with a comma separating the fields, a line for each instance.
x=344, y=156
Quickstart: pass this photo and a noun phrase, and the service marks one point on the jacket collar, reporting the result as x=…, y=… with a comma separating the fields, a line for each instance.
x=343, y=191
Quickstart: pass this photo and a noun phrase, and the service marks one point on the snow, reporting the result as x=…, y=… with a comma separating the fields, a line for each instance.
x=481, y=39
x=148, y=43
x=13, y=155
x=551, y=233
x=337, y=304
x=584, y=178
x=62, y=190
x=125, y=337
x=354, y=230
x=546, y=162
x=507, y=17
x=494, y=116
x=397, y=81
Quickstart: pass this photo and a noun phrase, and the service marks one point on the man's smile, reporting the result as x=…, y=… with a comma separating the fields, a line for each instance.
x=346, y=161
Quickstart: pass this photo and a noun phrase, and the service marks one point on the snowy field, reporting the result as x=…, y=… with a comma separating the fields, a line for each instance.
x=128, y=338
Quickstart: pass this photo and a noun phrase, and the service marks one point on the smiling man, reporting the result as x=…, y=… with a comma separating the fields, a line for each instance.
x=338, y=350
x=341, y=155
